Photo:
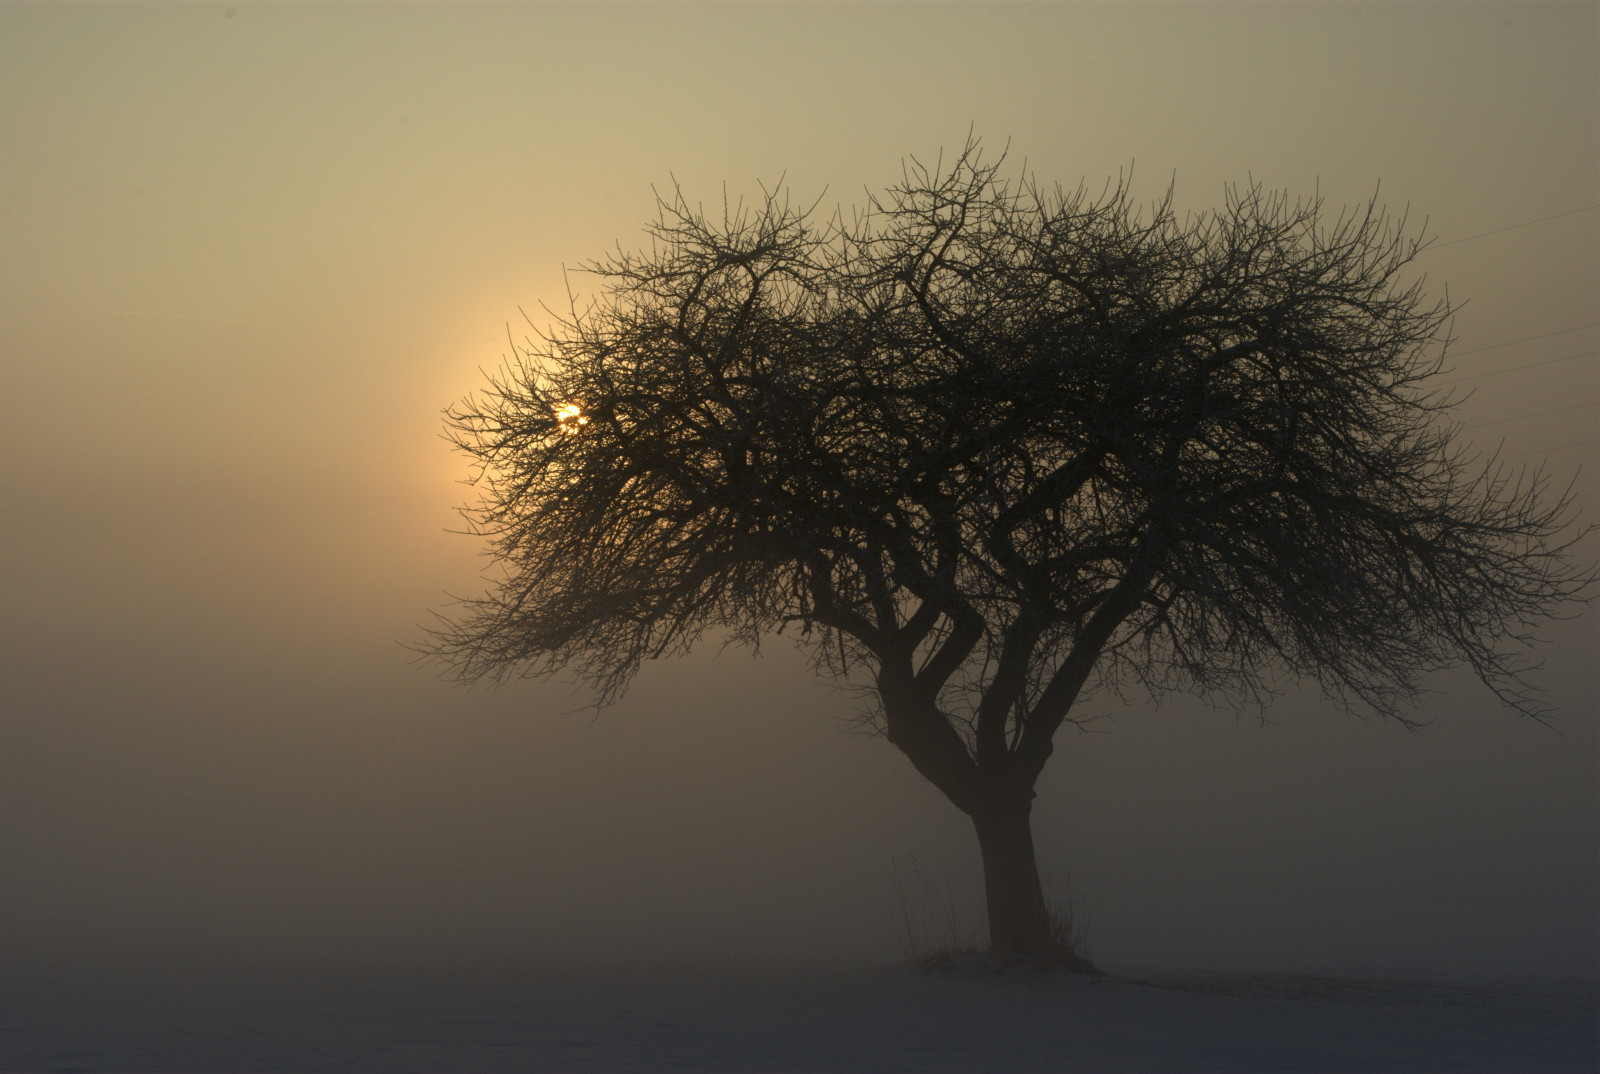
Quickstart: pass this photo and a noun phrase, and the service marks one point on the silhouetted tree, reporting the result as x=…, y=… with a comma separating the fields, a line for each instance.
x=990, y=448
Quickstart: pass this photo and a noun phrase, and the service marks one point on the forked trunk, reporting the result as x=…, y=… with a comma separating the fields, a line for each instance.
x=1018, y=919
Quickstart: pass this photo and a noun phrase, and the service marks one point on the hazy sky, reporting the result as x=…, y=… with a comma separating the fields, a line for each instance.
x=248, y=253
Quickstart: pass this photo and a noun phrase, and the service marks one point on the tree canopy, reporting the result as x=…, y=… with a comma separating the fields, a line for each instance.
x=989, y=446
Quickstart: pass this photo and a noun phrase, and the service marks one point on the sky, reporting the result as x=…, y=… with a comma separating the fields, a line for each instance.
x=249, y=253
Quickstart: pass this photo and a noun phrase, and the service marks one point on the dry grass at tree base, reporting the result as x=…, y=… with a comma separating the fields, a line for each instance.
x=932, y=939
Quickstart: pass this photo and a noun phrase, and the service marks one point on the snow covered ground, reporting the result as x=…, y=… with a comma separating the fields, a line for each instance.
x=554, y=1018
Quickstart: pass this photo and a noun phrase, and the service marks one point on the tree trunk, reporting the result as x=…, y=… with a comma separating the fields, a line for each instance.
x=1018, y=919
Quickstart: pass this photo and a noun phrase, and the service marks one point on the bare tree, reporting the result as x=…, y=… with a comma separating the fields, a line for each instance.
x=990, y=448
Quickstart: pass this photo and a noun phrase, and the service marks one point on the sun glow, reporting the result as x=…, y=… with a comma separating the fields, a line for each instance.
x=569, y=416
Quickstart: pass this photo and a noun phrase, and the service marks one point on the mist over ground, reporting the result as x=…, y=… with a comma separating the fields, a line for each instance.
x=250, y=253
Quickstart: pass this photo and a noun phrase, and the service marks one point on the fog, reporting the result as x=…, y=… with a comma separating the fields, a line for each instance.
x=248, y=254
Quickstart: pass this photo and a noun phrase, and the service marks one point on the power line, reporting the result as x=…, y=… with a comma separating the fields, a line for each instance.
x=1520, y=368
x=1511, y=227
x=1524, y=339
x=370, y=462
x=1558, y=447
x=186, y=317
x=256, y=479
x=1541, y=414
x=305, y=473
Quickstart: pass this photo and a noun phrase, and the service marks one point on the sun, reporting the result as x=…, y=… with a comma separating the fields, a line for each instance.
x=569, y=416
